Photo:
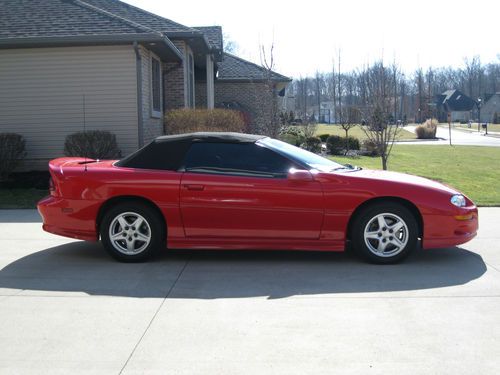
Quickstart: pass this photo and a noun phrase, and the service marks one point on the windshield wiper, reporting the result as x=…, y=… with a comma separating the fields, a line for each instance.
x=347, y=166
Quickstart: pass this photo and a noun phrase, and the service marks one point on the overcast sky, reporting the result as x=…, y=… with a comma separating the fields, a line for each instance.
x=308, y=34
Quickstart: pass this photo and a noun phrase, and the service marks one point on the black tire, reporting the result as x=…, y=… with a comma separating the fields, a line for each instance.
x=137, y=244
x=386, y=244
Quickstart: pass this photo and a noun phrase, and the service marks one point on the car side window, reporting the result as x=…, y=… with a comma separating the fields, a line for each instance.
x=237, y=159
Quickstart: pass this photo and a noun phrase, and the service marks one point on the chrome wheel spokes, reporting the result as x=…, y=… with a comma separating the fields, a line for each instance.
x=130, y=233
x=386, y=235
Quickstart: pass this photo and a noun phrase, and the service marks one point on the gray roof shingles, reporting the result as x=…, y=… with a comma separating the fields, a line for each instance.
x=233, y=68
x=213, y=34
x=455, y=100
x=56, y=18
x=69, y=18
x=52, y=18
x=142, y=17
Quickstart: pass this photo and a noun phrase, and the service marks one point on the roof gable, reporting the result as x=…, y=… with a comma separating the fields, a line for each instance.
x=455, y=100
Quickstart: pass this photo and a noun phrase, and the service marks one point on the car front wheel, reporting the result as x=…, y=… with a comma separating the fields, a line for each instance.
x=385, y=233
x=131, y=232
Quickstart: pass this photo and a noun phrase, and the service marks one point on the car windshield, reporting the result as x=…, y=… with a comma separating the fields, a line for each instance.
x=305, y=157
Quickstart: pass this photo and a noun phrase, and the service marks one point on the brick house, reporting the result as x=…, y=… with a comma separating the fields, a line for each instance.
x=114, y=67
x=243, y=85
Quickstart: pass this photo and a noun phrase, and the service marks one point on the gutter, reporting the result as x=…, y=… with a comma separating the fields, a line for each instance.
x=85, y=40
x=138, y=66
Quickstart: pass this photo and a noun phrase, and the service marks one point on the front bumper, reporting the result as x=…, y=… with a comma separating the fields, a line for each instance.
x=69, y=218
x=452, y=229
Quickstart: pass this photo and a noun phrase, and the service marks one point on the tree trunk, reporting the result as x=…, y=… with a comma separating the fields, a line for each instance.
x=384, y=162
x=346, y=141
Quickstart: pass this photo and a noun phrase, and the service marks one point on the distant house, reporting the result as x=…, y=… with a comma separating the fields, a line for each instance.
x=457, y=103
x=490, y=107
x=325, y=113
x=114, y=67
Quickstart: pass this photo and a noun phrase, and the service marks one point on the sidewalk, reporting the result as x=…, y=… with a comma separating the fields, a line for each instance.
x=473, y=129
x=459, y=137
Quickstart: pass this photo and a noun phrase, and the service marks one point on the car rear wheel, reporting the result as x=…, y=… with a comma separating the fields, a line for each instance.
x=131, y=232
x=385, y=233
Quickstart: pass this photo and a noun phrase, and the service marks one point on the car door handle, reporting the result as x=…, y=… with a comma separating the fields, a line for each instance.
x=193, y=187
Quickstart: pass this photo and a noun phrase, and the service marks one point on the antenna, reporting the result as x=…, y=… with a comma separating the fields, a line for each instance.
x=85, y=133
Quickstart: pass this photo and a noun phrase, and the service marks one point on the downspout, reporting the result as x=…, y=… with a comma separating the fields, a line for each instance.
x=138, y=65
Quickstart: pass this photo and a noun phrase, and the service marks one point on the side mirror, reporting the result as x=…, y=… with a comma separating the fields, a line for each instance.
x=299, y=175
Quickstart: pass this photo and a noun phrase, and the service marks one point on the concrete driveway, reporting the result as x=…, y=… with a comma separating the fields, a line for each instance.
x=67, y=308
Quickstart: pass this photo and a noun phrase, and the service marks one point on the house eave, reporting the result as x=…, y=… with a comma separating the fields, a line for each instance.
x=248, y=80
x=159, y=44
x=196, y=39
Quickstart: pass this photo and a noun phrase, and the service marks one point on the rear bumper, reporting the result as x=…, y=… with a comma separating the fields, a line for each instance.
x=451, y=230
x=69, y=218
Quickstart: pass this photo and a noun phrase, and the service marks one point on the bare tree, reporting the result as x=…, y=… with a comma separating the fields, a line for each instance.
x=339, y=91
x=352, y=117
x=419, y=76
x=377, y=128
x=412, y=98
x=334, y=91
x=269, y=102
x=318, y=84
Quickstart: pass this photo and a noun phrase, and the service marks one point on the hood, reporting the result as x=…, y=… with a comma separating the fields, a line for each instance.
x=396, y=178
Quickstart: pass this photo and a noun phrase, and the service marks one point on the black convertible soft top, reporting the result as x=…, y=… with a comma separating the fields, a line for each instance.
x=168, y=152
x=218, y=137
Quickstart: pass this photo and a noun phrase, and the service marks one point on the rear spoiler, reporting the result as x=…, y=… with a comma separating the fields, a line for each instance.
x=56, y=165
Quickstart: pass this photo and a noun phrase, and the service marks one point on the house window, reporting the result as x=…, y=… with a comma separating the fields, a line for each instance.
x=190, y=81
x=155, y=87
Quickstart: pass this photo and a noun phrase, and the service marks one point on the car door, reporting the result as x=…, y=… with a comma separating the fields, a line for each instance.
x=241, y=190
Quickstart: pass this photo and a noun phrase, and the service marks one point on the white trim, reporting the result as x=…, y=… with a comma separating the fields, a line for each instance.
x=188, y=53
x=210, y=83
x=154, y=113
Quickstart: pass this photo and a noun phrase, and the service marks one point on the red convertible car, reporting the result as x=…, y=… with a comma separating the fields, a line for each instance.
x=240, y=191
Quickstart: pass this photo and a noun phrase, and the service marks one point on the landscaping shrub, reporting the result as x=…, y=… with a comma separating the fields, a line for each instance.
x=323, y=137
x=93, y=144
x=353, y=143
x=427, y=130
x=336, y=145
x=369, y=148
x=12, y=147
x=195, y=120
x=312, y=144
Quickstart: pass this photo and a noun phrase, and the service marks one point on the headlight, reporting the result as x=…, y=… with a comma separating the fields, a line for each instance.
x=458, y=200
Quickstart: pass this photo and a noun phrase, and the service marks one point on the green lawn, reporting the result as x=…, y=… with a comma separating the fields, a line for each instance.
x=357, y=132
x=21, y=198
x=473, y=170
